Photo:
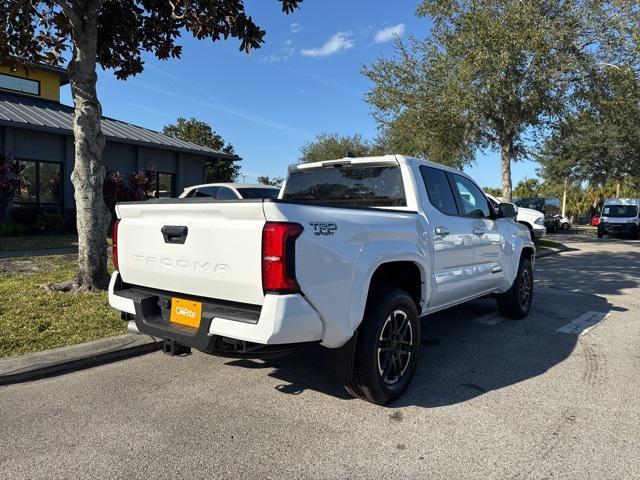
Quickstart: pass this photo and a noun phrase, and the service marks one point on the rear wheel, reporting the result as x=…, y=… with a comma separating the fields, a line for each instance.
x=516, y=302
x=600, y=235
x=388, y=348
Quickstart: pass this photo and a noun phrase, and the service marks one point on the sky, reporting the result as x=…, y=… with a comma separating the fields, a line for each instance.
x=305, y=80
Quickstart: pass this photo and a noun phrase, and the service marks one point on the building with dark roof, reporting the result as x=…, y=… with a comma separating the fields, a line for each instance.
x=36, y=129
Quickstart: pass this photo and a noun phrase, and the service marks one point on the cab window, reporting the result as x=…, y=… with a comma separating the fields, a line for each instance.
x=204, y=192
x=439, y=190
x=226, y=194
x=472, y=200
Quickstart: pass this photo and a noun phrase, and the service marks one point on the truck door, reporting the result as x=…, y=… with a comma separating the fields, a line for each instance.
x=489, y=257
x=453, y=240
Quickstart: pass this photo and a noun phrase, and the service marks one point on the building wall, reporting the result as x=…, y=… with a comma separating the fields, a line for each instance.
x=120, y=157
x=193, y=170
x=49, y=82
x=38, y=146
x=125, y=158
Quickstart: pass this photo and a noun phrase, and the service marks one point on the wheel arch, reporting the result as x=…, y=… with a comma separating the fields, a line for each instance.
x=405, y=273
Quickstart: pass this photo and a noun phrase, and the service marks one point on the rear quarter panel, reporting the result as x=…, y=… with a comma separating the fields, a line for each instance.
x=338, y=252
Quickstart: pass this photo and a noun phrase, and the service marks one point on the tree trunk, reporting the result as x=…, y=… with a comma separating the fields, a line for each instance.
x=89, y=172
x=506, y=148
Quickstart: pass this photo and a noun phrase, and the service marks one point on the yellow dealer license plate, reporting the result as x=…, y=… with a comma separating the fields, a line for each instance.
x=186, y=312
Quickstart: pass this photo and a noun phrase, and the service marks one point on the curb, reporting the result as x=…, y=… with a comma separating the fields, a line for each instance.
x=33, y=366
x=548, y=251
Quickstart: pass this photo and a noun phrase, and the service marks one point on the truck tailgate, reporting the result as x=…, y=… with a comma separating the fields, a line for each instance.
x=220, y=256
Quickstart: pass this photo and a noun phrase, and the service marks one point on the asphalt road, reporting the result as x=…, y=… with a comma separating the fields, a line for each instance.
x=492, y=399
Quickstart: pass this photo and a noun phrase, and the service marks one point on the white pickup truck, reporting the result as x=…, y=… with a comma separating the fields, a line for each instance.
x=351, y=255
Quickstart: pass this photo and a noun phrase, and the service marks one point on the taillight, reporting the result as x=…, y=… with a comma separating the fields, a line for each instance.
x=114, y=237
x=278, y=257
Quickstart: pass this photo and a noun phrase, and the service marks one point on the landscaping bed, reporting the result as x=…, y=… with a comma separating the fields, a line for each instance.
x=34, y=319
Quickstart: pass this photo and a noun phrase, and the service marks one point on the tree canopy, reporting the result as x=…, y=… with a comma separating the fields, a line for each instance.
x=493, y=73
x=600, y=142
x=201, y=133
x=113, y=34
x=328, y=146
x=42, y=31
x=272, y=181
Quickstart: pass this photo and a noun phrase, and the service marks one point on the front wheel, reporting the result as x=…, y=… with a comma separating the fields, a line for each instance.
x=516, y=302
x=387, y=349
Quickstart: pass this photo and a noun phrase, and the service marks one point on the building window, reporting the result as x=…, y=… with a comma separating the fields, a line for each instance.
x=165, y=185
x=43, y=183
x=19, y=84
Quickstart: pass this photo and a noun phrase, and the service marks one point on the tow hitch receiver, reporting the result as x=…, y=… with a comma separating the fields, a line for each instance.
x=173, y=348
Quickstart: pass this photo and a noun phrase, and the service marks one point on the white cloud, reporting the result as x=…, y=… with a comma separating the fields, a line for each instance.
x=285, y=53
x=295, y=27
x=337, y=43
x=387, y=34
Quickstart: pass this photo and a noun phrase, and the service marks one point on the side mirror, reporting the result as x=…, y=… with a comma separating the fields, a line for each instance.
x=507, y=210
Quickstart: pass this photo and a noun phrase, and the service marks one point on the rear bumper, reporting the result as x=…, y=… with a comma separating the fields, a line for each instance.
x=282, y=319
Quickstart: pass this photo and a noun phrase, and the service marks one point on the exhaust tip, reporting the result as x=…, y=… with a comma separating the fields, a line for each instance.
x=132, y=327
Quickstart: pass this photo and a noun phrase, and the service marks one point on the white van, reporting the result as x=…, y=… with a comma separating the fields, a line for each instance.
x=620, y=216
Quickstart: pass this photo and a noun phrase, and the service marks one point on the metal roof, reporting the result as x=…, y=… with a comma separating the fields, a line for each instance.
x=44, y=115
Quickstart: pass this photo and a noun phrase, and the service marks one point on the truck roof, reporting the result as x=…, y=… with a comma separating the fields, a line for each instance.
x=373, y=160
x=622, y=201
x=234, y=185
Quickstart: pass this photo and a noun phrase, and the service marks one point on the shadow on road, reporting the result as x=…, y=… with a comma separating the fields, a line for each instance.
x=462, y=359
x=594, y=272
x=459, y=359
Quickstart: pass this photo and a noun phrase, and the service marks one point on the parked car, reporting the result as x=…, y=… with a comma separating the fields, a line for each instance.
x=230, y=191
x=563, y=222
x=549, y=206
x=595, y=221
x=620, y=216
x=532, y=219
x=351, y=255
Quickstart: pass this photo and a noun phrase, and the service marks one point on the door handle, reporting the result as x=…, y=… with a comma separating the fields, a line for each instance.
x=479, y=231
x=442, y=231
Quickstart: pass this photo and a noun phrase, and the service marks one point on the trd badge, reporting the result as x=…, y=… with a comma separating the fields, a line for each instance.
x=323, y=228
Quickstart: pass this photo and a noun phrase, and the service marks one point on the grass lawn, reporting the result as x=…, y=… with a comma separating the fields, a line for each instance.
x=32, y=319
x=34, y=242
x=40, y=242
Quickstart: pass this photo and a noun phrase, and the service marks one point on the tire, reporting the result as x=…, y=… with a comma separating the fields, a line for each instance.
x=515, y=303
x=388, y=348
x=600, y=235
x=565, y=226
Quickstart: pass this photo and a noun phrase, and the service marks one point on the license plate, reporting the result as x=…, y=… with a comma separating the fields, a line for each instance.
x=186, y=312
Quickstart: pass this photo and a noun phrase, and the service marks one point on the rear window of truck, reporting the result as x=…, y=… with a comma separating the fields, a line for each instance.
x=348, y=186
